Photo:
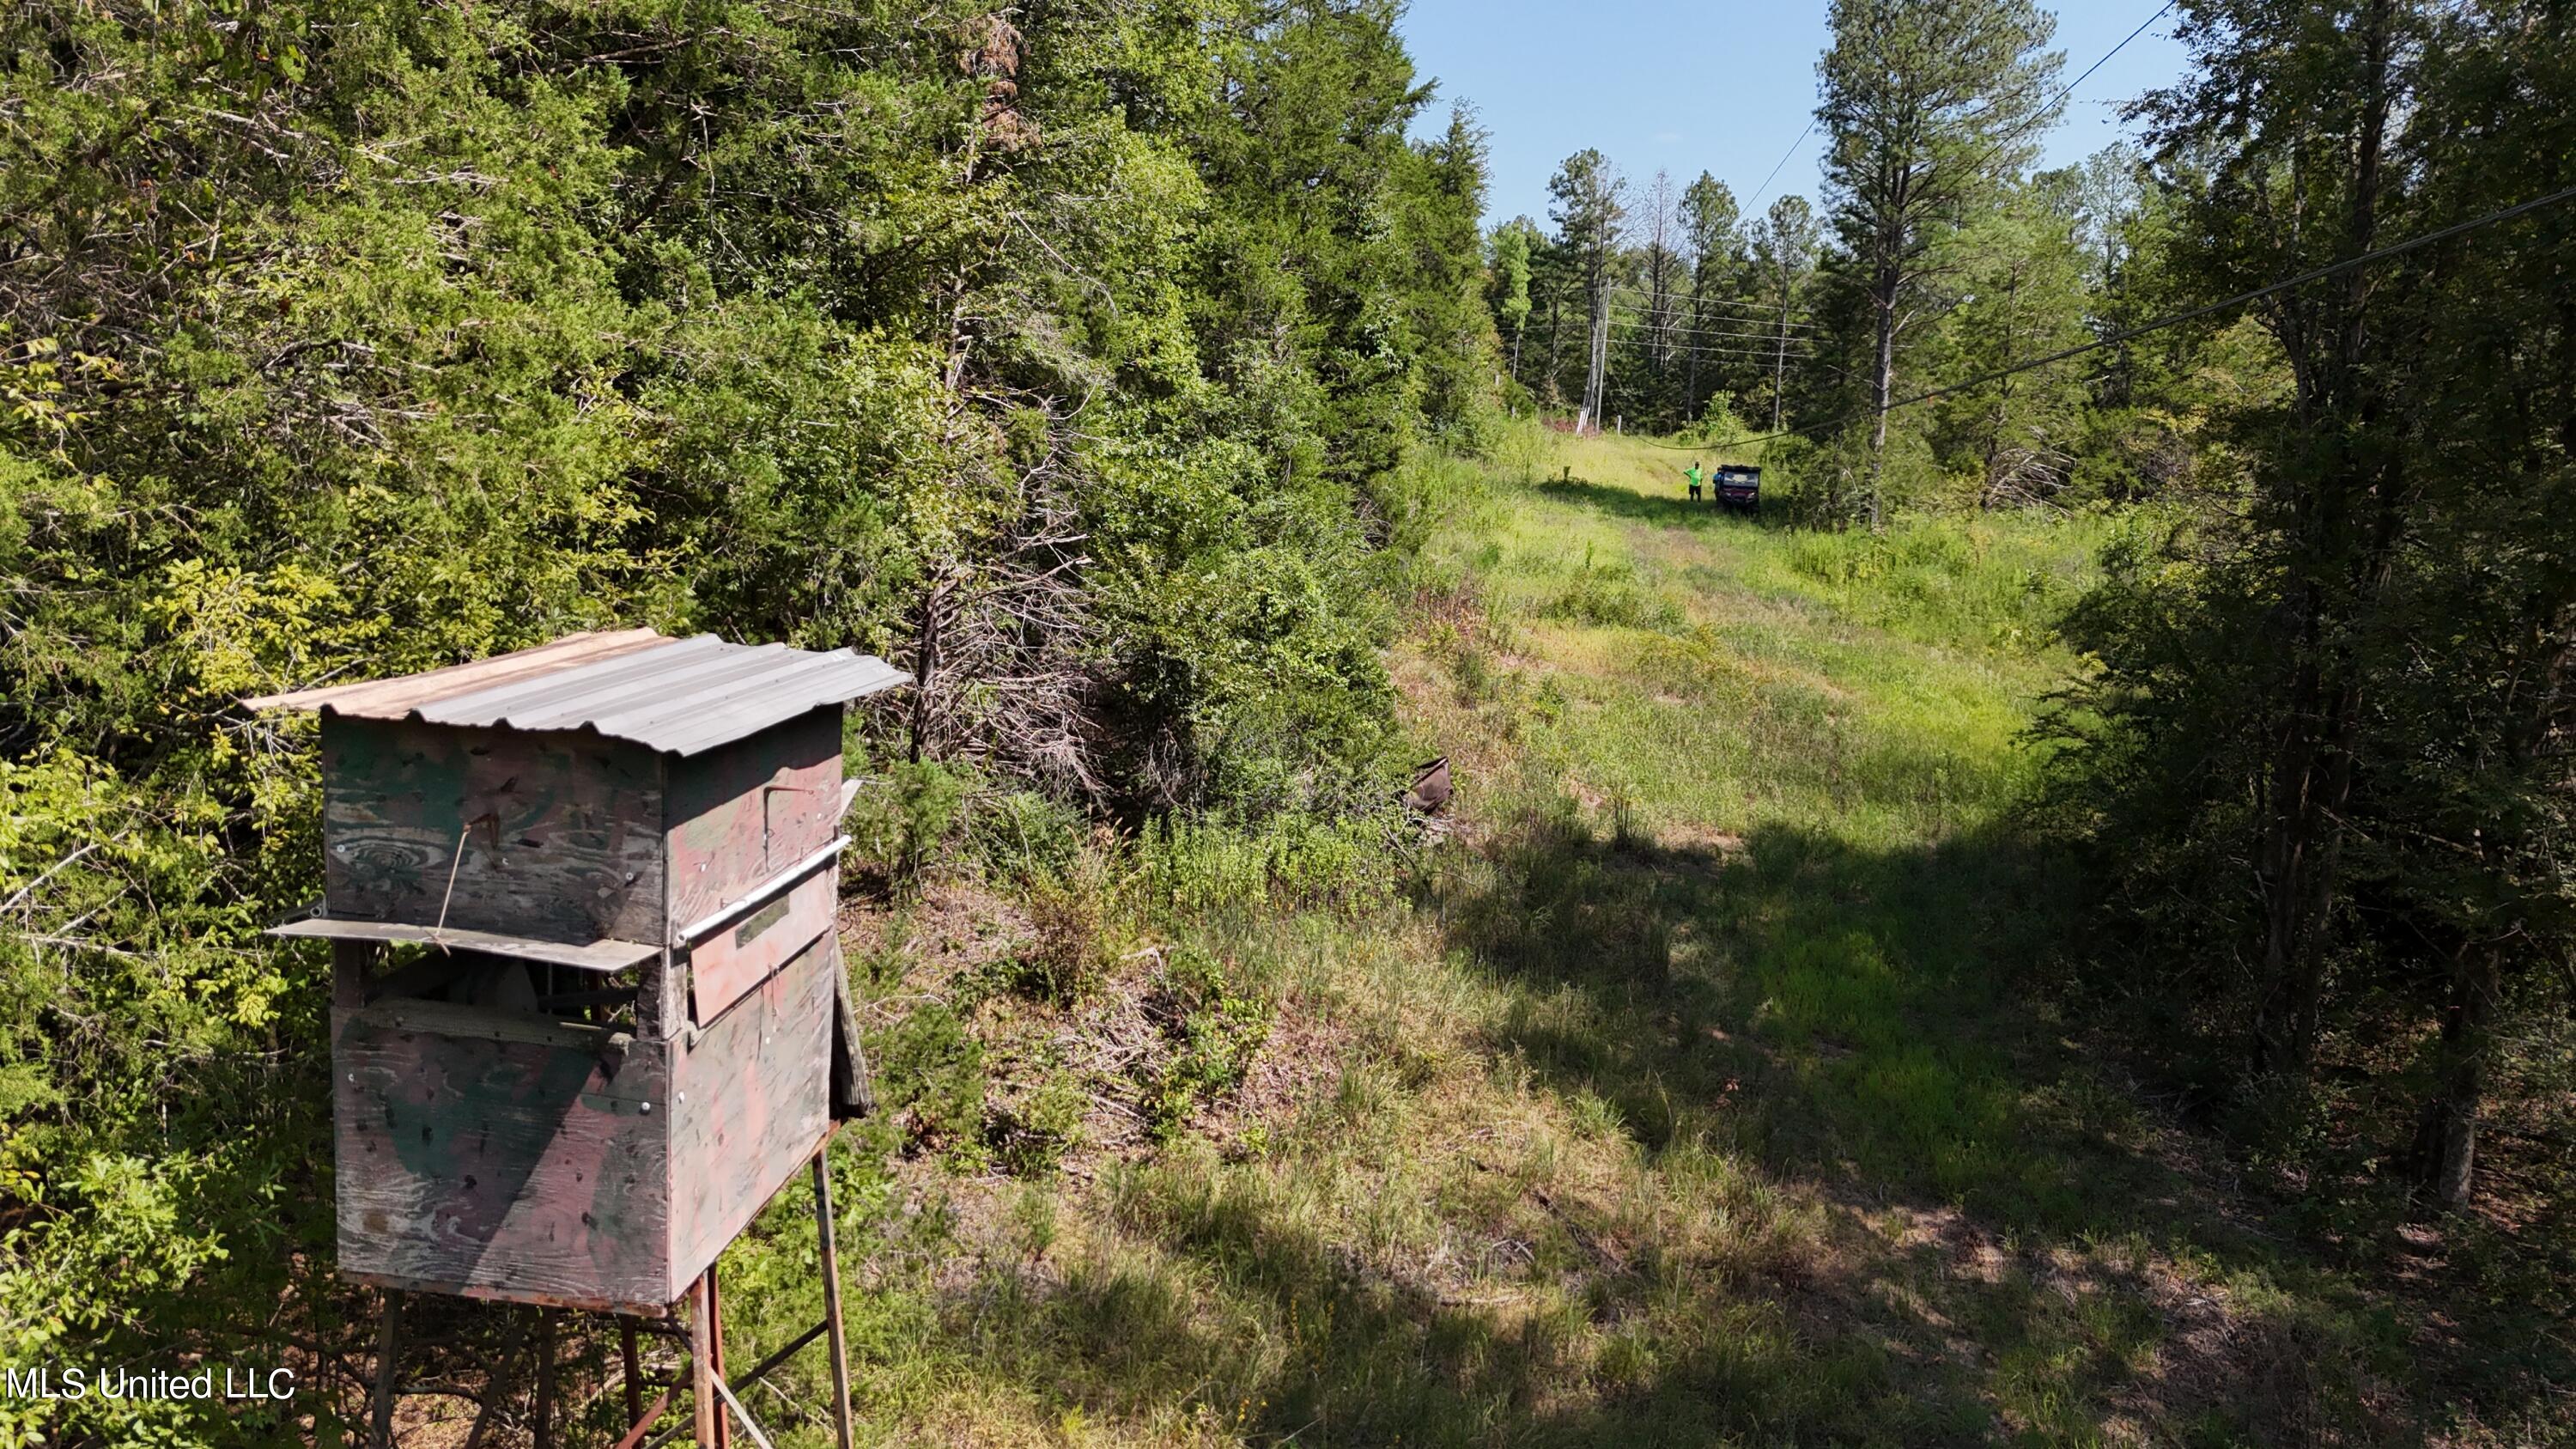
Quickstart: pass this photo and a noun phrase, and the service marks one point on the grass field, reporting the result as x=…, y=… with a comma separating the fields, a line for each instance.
x=1695, y=1090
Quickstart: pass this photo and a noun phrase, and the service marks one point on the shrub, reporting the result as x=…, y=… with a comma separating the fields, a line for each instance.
x=901, y=815
x=1213, y=1029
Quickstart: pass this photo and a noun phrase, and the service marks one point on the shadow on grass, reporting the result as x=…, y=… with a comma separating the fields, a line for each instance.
x=1982, y=1257
x=1657, y=509
x=1991, y=1246
x=2011, y=1229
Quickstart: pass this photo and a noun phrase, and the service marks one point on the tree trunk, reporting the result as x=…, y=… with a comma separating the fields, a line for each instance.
x=1882, y=386
x=1780, y=356
x=1555, y=344
x=2320, y=720
x=925, y=660
x=1699, y=336
x=2448, y=1144
x=1595, y=372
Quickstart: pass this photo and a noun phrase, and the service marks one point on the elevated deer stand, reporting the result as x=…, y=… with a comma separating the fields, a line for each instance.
x=616, y=1021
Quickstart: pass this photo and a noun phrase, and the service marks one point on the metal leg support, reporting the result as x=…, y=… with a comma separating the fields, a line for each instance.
x=702, y=1370
x=832, y=1295
x=380, y=1406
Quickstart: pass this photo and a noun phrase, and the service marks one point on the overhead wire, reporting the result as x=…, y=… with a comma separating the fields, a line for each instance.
x=1767, y=339
x=1768, y=326
x=1765, y=188
x=2045, y=112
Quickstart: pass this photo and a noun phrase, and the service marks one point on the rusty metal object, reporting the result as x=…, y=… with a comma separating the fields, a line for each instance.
x=831, y=1266
x=643, y=1422
x=703, y=1333
x=739, y=1412
x=632, y=1367
x=715, y=1354
x=681, y=696
x=545, y=1406
x=380, y=1407
x=1431, y=788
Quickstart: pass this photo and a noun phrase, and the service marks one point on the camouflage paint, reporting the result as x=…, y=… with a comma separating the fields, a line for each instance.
x=743, y=813
x=474, y=1156
x=560, y=831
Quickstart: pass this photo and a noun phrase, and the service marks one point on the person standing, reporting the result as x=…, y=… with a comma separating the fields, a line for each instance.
x=1692, y=473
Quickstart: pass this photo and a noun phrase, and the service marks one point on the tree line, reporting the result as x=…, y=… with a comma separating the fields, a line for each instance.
x=2318, y=748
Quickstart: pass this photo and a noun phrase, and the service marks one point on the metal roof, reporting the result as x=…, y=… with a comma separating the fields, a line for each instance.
x=681, y=695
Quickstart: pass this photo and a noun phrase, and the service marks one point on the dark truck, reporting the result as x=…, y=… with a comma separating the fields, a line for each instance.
x=1739, y=485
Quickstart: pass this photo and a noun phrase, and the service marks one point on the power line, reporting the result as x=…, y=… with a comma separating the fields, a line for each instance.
x=1643, y=306
x=2114, y=50
x=1759, y=359
x=2193, y=315
x=2069, y=88
x=1765, y=188
x=1680, y=307
x=1646, y=320
x=1766, y=338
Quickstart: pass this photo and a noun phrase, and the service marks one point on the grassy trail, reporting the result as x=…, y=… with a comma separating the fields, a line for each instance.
x=1744, y=868
x=1691, y=1093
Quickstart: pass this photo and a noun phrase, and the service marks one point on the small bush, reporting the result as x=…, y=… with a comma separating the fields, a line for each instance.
x=1022, y=836
x=1718, y=425
x=1609, y=595
x=1213, y=1029
x=930, y=1077
x=902, y=815
x=1031, y=1136
x=1069, y=951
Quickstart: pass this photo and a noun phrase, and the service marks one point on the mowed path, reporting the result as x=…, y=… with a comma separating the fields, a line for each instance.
x=1739, y=804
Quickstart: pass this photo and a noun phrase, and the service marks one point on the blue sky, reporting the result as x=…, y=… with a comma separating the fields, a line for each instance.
x=1723, y=87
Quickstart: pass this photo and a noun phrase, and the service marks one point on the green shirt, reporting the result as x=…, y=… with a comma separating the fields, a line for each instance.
x=1692, y=472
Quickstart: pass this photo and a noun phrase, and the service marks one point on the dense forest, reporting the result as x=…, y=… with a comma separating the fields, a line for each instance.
x=1084, y=341
x=1099, y=364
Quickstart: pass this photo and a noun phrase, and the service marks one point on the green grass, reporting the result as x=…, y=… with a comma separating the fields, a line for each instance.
x=1699, y=1090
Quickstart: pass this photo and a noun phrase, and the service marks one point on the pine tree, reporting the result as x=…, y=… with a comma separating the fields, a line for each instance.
x=1784, y=248
x=1710, y=225
x=1927, y=105
x=1508, y=257
x=1591, y=214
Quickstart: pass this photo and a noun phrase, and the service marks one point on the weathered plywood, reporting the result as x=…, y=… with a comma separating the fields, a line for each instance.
x=743, y=813
x=561, y=832
x=606, y=956
x=741, y=955
x=496, y=1155
x=750, y=1105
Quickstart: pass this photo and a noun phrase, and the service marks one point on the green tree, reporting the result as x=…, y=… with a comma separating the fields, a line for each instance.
x=1784, y=254
x=1508, y=256
x=2321, y=728
x=2023, y=271
x=1591, y=213
x=1714, y=238
x=1062, y=357
x=1926, y=108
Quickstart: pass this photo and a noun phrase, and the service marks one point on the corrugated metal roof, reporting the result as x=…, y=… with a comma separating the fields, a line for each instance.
x=681, y=695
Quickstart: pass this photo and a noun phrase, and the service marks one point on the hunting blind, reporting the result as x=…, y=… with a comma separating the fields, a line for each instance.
x=616, y=1020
